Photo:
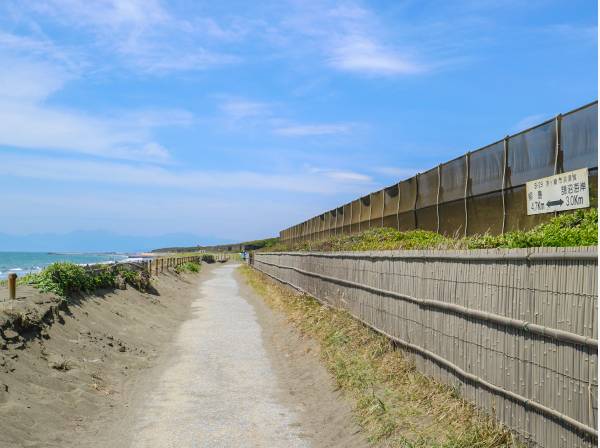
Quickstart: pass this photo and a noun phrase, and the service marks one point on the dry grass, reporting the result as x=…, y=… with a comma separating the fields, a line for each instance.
x=394, y=404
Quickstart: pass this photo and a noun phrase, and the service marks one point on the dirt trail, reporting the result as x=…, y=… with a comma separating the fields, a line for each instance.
x=241, y=377
x=203, y=364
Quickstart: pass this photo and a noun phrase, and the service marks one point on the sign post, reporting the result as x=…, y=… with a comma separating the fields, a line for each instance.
x=566, y=191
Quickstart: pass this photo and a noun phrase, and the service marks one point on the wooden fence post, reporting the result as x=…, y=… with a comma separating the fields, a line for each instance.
x=12, y=286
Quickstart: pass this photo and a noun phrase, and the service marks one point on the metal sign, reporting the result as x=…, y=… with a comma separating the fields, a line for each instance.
x=566, y=191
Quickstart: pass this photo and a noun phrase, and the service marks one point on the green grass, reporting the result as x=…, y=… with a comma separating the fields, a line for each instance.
x=190, y=266
x=571, y=229
x=395, y=405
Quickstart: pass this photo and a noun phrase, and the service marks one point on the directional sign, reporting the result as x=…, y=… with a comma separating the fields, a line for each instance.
x=566, y=191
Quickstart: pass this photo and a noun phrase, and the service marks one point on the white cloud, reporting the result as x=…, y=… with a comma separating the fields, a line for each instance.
x=26, y=81
x=28, y=120
x=348, y=176
x=312, y=129
x=351, y=38
x=341, y=175
x=242, y=112
x=107, y=13
x=364, y=55
x=85, y=172
x=143, y=33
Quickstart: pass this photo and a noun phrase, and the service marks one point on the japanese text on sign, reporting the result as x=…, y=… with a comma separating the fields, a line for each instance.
x=566, y=191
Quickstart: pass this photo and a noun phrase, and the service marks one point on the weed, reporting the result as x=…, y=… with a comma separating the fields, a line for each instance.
x=394, y=404
x=62, y=364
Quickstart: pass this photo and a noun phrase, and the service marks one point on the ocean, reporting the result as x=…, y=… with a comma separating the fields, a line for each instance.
x=26, y=262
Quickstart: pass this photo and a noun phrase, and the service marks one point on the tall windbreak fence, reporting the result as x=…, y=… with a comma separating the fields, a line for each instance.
x=482, y=191
x=513, y=330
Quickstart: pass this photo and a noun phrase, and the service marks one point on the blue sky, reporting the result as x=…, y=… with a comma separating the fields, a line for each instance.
x=225, y=121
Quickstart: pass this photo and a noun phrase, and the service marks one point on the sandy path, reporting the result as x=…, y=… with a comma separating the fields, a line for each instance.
x=232, y=383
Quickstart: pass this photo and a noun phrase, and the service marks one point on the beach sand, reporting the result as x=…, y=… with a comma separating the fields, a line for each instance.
x=201, y=363
x=64, y=383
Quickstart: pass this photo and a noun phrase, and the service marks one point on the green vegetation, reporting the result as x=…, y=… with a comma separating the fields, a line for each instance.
x=208, y=258
x=190, y=266
x=233, y=247
x=261, y=244
x=135, y=278
x=65, y=279
x=394, y=404
x=571, y=229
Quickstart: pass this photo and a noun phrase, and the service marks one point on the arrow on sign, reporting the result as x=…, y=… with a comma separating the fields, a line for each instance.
x=551, y=203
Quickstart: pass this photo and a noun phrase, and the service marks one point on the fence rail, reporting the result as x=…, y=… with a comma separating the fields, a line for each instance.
x=482, y=191
x=513, y=329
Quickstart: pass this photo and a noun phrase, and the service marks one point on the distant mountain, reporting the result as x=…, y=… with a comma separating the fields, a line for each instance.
x=98, y=241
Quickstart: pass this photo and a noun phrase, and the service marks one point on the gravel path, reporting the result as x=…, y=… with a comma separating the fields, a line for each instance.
x=222, y=390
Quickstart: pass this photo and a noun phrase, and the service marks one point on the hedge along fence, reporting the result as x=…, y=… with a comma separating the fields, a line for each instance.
x=513, y=330
x=482, y=191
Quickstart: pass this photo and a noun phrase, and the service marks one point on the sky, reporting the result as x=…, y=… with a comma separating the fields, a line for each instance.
x=229, y=121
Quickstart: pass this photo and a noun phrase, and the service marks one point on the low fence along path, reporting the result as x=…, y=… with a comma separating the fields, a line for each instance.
x=513, y=330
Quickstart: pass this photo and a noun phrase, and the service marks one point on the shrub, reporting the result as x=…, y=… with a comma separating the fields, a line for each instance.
x=189, y=266
x=65, y=279
x=139, y=279
x=208, y=258
x=68, y=278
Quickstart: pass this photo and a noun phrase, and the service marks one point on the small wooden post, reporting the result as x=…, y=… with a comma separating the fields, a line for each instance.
x=12, y=286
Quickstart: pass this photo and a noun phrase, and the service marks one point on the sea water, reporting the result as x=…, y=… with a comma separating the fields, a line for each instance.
x=26, y=262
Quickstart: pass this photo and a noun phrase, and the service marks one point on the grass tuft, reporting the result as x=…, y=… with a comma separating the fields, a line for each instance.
x=394, y=404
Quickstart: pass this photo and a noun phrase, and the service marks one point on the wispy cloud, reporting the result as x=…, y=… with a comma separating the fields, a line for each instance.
x=351, y=38
x=312, y=130
x=241, y=113
x=361, y=54
x=85, y=172
x=145, y=34
x=341, y=175
x=29, y=120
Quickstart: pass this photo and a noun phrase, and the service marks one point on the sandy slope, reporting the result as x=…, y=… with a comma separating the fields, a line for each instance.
x=72, y=380
x=203, y=364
